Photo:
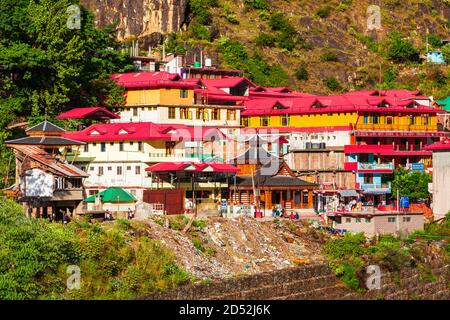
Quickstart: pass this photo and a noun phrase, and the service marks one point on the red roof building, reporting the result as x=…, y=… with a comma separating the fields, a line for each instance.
x=97, y=113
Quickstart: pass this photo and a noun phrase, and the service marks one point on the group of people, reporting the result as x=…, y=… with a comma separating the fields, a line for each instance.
x=109, y=216
x=280, y=213
x=353, y=205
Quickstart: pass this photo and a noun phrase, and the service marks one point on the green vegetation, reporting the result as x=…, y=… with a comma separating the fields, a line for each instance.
x=400, y=50
x=411, y=184
x=332, y=83
x=348, y=255
x=257, y=4
x=256, y=68
x=328, y=55
x=114, y=264
x=301, y=73
x=446, y=51
x=265, y=40
x=324, y=11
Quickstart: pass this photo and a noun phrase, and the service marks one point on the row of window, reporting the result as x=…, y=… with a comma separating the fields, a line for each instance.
x=389, y=219
x=265, y=121
x=119, y=169
x=121, y=146
x=200, y=114
x=413, y=120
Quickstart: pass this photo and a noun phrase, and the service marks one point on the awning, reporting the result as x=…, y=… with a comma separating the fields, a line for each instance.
x=117, y=195
x=348, y=193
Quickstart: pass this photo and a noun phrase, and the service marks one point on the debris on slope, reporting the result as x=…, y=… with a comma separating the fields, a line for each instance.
x=227, y=247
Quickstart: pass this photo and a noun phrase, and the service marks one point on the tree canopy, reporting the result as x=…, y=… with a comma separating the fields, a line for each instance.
x=45, y=66
x=411, y=184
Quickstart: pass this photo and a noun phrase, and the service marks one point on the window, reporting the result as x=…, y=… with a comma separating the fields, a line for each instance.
x=425, y=119
x=170, y=148
x=100, y=171
x=120, y=146
x=183, y=93
x=348, y=220
x=131, y=143
x=391, y=219
x=92, y=169
x=406, y=219
x=368, y=220
x=231, y=115
x=102, y=147
x=135, y=112
x=244, y=121
x=375, y=119
x=366, y=119
x=201, y=114
x=109, y=168
x=128, y=168
x=184, y=113
x=285, y=120
x=139, y=146
x=215, y=114
x=368, y=179
x=389, y=120
x=86, y=147
x=357, y=220
x=83, y=168
x=305, y=197
x=412, y=120
x=138, y=170
x=265, y=121
x=119, y=170
x=172, y=111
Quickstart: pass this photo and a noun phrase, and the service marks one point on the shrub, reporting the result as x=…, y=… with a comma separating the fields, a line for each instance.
x=400, y=50
x=301, y=73
x=446, y=51
x=324, y=11
x=388, y=252
x=328, y=56
x=434, y=41
x=278, y=22
x=265, y=40
x=332, y=83
x=199, y=9
x=257, y=4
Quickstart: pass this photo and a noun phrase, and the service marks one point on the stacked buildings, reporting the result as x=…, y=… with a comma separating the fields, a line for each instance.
x=189, y=138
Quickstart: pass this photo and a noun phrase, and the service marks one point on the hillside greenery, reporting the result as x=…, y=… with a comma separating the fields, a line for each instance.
x=115, y=261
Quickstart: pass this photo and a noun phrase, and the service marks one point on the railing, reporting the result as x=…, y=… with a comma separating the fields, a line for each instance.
x=395, y=127
x=375, y=166
x=176, y=156
x=366, y=186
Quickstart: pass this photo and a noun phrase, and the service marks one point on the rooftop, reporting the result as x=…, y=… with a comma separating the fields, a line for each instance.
x=99, y=113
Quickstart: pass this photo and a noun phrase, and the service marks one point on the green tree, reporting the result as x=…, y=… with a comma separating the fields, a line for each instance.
x=400, y=50
x=46, y=66
x=410, y=184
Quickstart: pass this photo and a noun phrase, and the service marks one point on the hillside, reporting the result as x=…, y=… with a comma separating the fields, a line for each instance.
x=311, y=44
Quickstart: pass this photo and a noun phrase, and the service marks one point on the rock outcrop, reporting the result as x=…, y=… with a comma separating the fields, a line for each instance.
x=139, y=17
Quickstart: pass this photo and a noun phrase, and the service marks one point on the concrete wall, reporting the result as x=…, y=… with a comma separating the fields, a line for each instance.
x=313, y=282
x=404, y=223
x=441, y=179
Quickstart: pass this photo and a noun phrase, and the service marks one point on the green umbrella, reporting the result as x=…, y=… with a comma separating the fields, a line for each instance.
x=112, y=195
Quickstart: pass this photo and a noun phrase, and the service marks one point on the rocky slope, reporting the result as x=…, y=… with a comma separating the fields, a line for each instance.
x=139, y=17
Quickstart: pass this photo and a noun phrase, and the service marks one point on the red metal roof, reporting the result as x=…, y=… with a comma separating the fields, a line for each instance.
x=327, y=104
x=144, y=131
x=152, y=80
x=368, y=148
x=88, y=112
x=197, y=167
x=227, y=82
x=439, y=146
x=271, y=130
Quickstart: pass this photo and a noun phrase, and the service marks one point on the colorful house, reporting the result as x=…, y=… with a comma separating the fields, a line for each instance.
x=46, y=184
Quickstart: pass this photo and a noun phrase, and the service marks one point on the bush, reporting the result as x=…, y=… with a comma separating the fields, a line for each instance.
x=302, y=72
x=257, y=4
x=388, y=253
x=278, y=22
x=328, y=56
x=265, y=40
x=199, y=9
x=332, y=83
x=324, y=11
x=200, y=32
x=446, y=51
x=400, y=50
x=34, y=255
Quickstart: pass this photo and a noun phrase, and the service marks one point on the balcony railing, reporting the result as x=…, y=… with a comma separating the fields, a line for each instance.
x=366, y=186
x=395, y=127
x=375, y=166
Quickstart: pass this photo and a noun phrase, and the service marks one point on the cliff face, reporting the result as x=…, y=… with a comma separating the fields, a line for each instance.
x=139, y=17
